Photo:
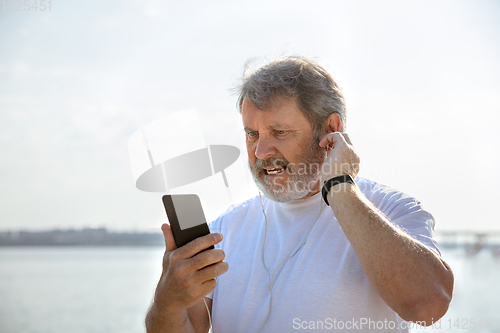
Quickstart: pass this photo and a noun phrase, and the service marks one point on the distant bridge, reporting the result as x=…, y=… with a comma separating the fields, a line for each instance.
x=468, y=236
x=474, y=241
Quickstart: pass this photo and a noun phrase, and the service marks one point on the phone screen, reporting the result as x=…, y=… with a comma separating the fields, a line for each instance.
x=187, y=213
x=186, y=217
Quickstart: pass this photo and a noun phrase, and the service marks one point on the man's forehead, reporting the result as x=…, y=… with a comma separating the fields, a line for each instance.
x=272, y=126
x=271, y=122
x=284, y=113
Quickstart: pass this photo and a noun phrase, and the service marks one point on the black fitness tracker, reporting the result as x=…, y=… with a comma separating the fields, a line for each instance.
x=328, y=184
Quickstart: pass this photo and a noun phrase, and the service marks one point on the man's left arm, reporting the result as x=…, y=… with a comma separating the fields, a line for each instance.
x=411, y=278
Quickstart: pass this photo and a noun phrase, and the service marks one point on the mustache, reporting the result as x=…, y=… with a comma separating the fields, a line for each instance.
x=271, y=162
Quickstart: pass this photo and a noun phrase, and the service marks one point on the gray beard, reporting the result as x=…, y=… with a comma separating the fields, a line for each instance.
x=299, y=185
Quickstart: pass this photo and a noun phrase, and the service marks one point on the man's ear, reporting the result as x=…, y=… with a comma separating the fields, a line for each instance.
x=333, y=123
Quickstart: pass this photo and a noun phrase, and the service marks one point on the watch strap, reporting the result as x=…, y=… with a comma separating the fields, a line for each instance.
x=328, y=184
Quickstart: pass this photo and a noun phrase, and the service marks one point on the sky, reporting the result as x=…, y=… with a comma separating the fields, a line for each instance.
x=421, y=79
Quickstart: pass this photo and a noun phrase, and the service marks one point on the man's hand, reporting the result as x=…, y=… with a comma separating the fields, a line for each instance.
x=187, y=277
x=341, y=159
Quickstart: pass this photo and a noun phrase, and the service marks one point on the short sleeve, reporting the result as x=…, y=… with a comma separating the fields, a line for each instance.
x=407, y=213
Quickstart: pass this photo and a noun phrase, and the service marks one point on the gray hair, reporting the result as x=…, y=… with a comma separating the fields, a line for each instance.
x=317, y=93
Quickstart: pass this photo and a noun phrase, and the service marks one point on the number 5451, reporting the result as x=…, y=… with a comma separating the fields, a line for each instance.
x=26, y=5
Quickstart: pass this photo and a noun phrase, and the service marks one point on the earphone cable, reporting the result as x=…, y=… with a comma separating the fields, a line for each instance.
x=208, y=311
x=271, y=276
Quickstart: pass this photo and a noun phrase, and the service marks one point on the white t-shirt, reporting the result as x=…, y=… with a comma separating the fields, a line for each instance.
x=323, y=287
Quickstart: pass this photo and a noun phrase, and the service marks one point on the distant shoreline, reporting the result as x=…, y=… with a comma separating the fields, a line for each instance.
x=104, y=238
x=84, y=237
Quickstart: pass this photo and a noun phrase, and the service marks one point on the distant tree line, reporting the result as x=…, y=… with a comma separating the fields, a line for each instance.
x=84, y=237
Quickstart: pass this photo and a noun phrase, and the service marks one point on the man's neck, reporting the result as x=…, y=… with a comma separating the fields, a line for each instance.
x=314, y=191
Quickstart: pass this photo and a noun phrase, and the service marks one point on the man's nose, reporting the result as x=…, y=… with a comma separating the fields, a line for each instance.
x=265, y=148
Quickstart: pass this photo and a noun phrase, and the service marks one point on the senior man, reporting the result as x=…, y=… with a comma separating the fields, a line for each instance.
x=323, y=249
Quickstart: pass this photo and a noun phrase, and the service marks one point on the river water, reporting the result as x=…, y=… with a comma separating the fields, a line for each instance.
x=108, y=290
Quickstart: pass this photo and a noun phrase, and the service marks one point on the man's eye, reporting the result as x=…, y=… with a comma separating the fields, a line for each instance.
x=280, y=132
x=252, y=134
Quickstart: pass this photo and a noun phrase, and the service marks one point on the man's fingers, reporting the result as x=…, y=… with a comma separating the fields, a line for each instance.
x=207, y=258
x=169, y=237
x=212, y=271
x=347, y=138
x=199, y=244
x=331, y=138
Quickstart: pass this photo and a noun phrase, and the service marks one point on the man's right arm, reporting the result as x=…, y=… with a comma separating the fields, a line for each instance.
x=196, y=320
x=187, y=277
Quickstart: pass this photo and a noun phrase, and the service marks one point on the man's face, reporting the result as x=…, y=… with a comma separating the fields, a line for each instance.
x=283, y=154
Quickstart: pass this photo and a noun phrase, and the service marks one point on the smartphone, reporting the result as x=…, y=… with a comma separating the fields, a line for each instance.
x=186, y=218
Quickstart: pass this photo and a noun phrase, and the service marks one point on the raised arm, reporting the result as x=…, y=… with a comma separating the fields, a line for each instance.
x=413, y=280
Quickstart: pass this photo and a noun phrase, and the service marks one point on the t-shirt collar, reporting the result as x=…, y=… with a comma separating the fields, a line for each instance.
x=302, y=203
